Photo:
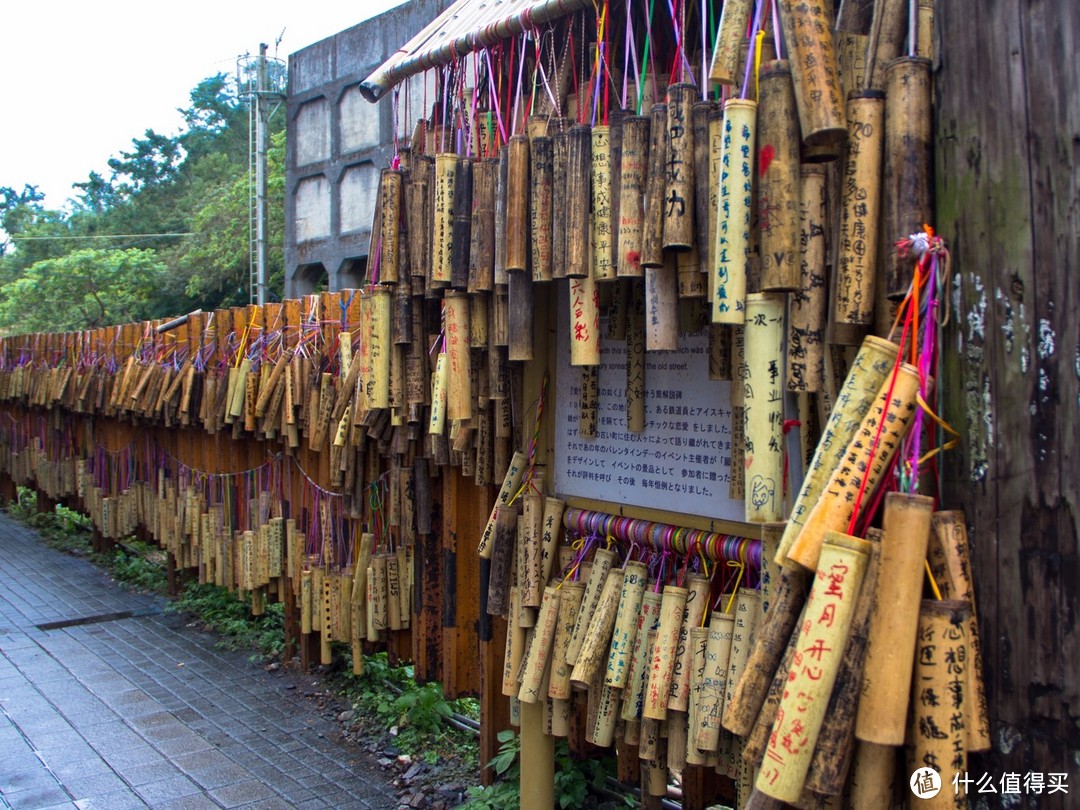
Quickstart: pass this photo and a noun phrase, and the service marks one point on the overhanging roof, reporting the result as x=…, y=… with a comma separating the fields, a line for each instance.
x=464, y=27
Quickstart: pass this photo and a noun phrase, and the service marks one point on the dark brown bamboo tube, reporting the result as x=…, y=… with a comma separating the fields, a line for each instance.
x=578, y=222
x=517, y=205
x=560, y=157
x=703, y=213
x=569, y=606
x=401, y=324
x=500, y=317
x=446, y=175
x=635, y=359
x=890, y=653
x=907, y=190
x=679, y=194
x=734, y=19
x=778, y=178
x=461, y=237
x=521, y=316
x=502, y=557
x=540, y=190
x=652, y=232
x=691, y=282
x=417, y=211
x=482, y=232
x=479, y=309
x=808, y=31
x=596, y=642
x=390, y=227
x=806, y=311
x=632, y=175
x=501, y=180
x=662, y=306
x=888, y=30
x=602, y=233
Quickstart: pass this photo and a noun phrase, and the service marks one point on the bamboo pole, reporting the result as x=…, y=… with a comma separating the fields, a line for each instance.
x=778, y=179
x=731, y=250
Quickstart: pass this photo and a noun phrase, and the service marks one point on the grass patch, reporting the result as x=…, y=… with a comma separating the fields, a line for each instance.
x=223, y=613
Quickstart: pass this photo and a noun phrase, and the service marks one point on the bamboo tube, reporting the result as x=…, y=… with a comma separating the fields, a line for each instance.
x=584, y=322
x=607, y=714
x=699, y=645
x=479, y=334
x=888, y=29
x=663, y=653
x=635, y=360
x=716, y=149
x=747, y=610
x=937, y=720
x=808, y=32
x=649, y=729
x=499, y=275
x=890, y=650
x=515, y=646
x=655, y=775
x=662, y=306
x=560, y=156
x=678, y=725
x=862, y=465
x=602, y=221
x=851, y=61
x=763, y=408
x=549, y=535
x=389, y=255
x=517, y=205
x=950, y=562
x=306, y=593
x=679, y=195
x=703, y=212
x=924, y=38
x=502, y=560
x=627, y=617
x=821, y=643
x=459, y=399
x=393, y=593
x=538, y=660
x=446, y=171
x=462, y=223
x=640, y=657
x=873, y=781
x=692, y=283
x=541, y=162
x=374, y=356
x=778, y=184
x=712, y=697
x=602, y=562
x=635, y=162
x=417, y=212
x=378, y=587
x=734, y=20
x=521, y=316
x=853, y=308
x=596, y=642
x=482, y=232
x=806, y=328
x=578, y=224
x=907, y=188
x=697, y=597
x=511, y=484
x=569, y=606
x=439, y=383
x=652, y=229
x=731, y=249
x=560, y=717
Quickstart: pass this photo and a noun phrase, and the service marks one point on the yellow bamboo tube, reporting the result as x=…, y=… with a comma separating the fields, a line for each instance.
x=446, y=169
x=851, y=60
x=596, y=642
x=390, y=226
x=806, y=328
x=853, y=306
x=950, y=562
x=530, y=579
x=662, y=306
x=538, y=660
x=560, y=717
x=378, y=587
x=894, y=409
x=924, y=39
x=627, y=617
x=890, y=649
x=678, y=726
x=731, y=250
x=634, y=157
x=601, y=564
x=716, y=152
x=238, y=389
x=459, y=399
x=306, y=590
x=663, y=653
x=807, y=29
x=873, y=776
x=763, y=408
x=678, y=202
x=697, y=598
x=937, y=732
x=699, y=644
x=537, y=760
x=820, y=649
x=640, y=656
x=734, y=20
x=437, y=422
x=607, y=715
x=515, y=646
x=360, y=582
x=517, y=205
x=549, y=535
x=778, y=184
x=375, y=348
x=869, y=370
x=510, y=485
x=569, y=605
x=602, y=220
x=711, y=699
x=584, y=322
x=747, y=610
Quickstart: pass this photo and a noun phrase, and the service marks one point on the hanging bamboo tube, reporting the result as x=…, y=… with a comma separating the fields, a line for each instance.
x=747, y=610
x=578, y=224
x=596, y=641
x=510, y=485
x=521, y=316
x=806, y=330
x=699, y=645
x=417, y=215
x=924, y=38
x=697, y=597
x=663, y=653
x=908, y=203
x=569, y=606
x=517, y=205
x=437, y=422
x=584, y=322
x=937, y=719
x=482, y=232
x=873, y=777
x=808, y=31
x=705, y=734
x=635, y=162
x=501, y=178
x=652, y=229
x=529, y=578
x=703, y=212
x=559, y=219
x=734, y=20
x=380, y=618
x=538, y=659
x=716, y=151
x=390, y=226
x=821, y=644
x=778, y=183
x=549, y=535
x=502, y=563
x=888, y=29
x=662, y=306
x=862, y=465
x=678, y=728
x=853, y=308
x=540, y=195
x=459, y=398
x=635, y=359
x=446, y=171
x=950, y=562
x=679, y=195
x=692, y=283
x=890, y=650
x=626, y=624
x=608, y=704
x=851, y=61
x=640, y=656
x=374, y=357
x=731, y=250
x=602, y=231
x=515, y=646
x=763, y=408
x=461, y=237
x=602, y=562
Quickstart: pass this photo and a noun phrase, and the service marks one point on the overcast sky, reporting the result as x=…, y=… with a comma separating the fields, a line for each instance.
x=82, y=79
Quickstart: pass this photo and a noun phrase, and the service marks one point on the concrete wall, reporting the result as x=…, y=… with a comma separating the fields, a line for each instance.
x=338, y=142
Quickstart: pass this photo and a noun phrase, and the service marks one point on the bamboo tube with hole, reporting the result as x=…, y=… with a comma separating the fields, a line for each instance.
x=578, y=222
x=830, y=608
x=652, y=230
x=461, y=237
x=502, y=170
x=705, y=735
x=569, y=606
x=538, y=659
x=853, y=307
x=763, y=407
x=806, y=329
x=697, y=598
x=540, y=213
x=731, y=248
x=907, y=186
x=602, y=221
x=517, y=205
x=389, y=256
x=627, y=616
x=734, y=20
x=446, y=171
x=596, y=642
x=602, y=561
x=807, y=30
x=640, y=656
x=662, y=306
x=632, y=178
x=778, y=178
x=584, y=322
x=663, y=653
x=482, y=232
x=950, y=563
x=459, y=397
x=890, y=649
x=635, y=359
x=679, y=195
x=863, y=464
x=515, y=647
x=510, y=485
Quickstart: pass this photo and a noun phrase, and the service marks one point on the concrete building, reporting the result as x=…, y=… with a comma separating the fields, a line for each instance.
x=338, y=142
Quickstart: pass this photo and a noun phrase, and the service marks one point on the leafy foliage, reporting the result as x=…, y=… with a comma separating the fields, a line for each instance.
x=232, y=619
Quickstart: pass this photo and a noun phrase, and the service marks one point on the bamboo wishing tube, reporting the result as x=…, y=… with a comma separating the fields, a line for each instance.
x=627, y=617
x=502, y=563
x=716, y=153
x=704, y=215
x=390, y=227
x=950, y=563
x=502, y=172
x=890, y=650
x=578, y=223
x=515, y=646
x=521, y=315
x=663, y=653
x=584, y=322
x=517, y=205
x=482, y=232
x=459, y=399
x=569, y=606
x=528, y=550
x=806, y=330
x=602, y=562
x=446, y=169
x=679, y=195
x=662, y=306
x=560, y=157
x=924, y=37
x=375, y=348
x=731, y=250
x=705, y=734
x=635, y=159
x=778, y=185
x=763, y=407
x=830, y=608
x=873, y=776
x=596, y=642
x=549, y=535
x=940, y=684
x=853, y=307
x=747, y=610
x=437, y=422
x=602, y=230
x=808, y=30
x=460, y=237
x=886, y=40
x=697, y=598
x=868, y=372
x=865, y=460
x=908, y=164
x=641, y=656
x=652, y=234
x=540, y=180
x=734, y=20
x=511, y=484
x=538, y=659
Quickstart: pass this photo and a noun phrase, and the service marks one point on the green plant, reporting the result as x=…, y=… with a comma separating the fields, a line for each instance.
x=223, y=613
x=506, y=790
x=576, y=778
x=62, y=529
x=139, y=565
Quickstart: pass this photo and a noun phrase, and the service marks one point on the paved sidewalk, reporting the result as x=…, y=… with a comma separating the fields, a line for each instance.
x=134, y=710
